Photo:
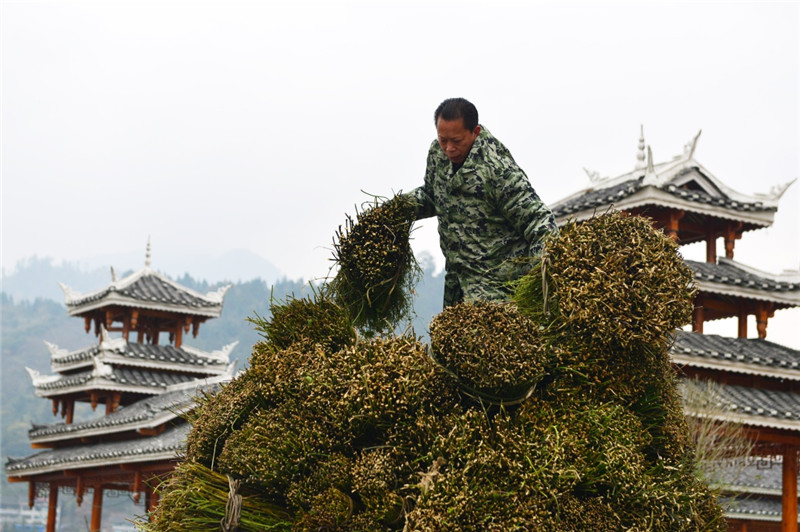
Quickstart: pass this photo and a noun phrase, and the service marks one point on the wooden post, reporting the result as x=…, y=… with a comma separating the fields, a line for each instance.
x=31, y=493
x=126, y=326
x=789, y=507
x=97, y=509
x=742, y=320
x=711, y=248
x=673, y=224
x=79, y=490
x=178, y=334
x=52, y=505
x=112, y=402
x=698, y=315
x=70, y=411
x=153, y=502
x=137, y=486
x=87, y=323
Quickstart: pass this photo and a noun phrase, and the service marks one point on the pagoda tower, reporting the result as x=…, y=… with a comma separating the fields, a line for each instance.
x=143, y=374
x=756, y=383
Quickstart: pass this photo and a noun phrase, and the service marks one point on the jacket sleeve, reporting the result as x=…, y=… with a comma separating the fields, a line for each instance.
x=422, y=196
x=524, y=210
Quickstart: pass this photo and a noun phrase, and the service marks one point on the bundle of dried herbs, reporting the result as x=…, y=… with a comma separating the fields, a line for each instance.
x=315, y=320
x=492, y=349
x=196, y=498
x=377, y=268
x=612, y=278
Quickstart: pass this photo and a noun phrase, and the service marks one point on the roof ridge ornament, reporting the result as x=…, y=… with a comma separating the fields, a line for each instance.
x=101, y=369
x=650, y=177
x=147, y=254
x=689, y=147
x=594, y=176
x=219, y=294
x=55, y=351
x=776, y=192
x=110, y=344
x=113, y=275
x=38, y=379
x=640, y=150
x=70, y=295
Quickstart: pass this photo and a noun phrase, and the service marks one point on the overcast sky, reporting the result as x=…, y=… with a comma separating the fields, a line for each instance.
x=216, y=126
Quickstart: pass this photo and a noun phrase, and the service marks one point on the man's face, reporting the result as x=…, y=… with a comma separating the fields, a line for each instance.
x=455, y=139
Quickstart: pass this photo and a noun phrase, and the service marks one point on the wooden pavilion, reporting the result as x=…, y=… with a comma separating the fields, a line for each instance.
x=756, y=381
x=146, y=385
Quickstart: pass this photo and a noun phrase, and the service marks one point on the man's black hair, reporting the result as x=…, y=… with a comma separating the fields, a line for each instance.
x=455, y=108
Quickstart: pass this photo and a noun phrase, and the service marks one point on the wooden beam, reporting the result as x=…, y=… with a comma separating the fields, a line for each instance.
x=789, y=499
x=97, y=509
x=87, y=323
x=52, y=506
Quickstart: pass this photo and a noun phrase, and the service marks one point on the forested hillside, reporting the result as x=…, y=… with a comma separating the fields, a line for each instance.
x=28, y=323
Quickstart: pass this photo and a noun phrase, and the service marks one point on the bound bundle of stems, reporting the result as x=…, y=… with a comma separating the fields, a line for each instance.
x=377, y=268
x=196, y=498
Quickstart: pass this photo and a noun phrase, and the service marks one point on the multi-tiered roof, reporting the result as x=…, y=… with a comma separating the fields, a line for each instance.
x=757, y=382
x=146, y=384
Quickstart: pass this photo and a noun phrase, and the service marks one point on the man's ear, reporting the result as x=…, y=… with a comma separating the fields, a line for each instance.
x=476, y=131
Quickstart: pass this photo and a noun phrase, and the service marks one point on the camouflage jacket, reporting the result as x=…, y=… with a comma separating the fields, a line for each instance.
x=488, y=213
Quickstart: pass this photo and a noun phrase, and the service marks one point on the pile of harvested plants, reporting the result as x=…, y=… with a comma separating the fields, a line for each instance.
x=327, y=432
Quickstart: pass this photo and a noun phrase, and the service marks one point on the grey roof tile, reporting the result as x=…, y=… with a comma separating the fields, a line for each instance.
x=727, y=273
x=171, y=441
x=124, y=376
x=756, y=406
x=140, y=351
x=603, y=198
x=168, y=404
x=756, y=508
x=750, y=351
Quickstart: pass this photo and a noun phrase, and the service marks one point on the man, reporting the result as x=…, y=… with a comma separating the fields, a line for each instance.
x=488, y=212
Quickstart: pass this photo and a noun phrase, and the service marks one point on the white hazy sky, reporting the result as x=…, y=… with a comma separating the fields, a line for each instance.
x=213, y=126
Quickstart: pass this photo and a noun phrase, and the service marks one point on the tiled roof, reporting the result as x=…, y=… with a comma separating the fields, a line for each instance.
x=167, y=445
x=146, y=413
x=730, y=273
x=598, y=199
x=755, y=508
x=738, y=355
x=139, y=352
x=118, y=378
x=755, y=407
x=148, y=289
x=752, y=475
x=680, y=181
